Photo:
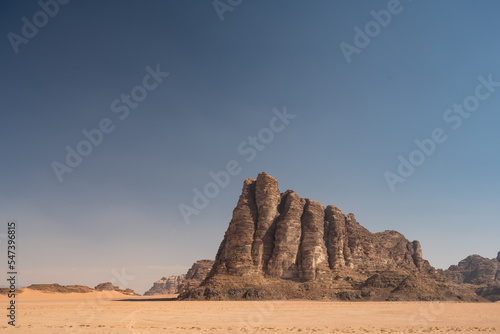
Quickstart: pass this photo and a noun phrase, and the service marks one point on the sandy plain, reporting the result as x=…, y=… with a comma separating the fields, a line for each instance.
x=112, y=312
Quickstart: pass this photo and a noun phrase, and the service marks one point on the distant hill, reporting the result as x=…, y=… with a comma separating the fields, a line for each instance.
x=57, y=288
x=479, y=271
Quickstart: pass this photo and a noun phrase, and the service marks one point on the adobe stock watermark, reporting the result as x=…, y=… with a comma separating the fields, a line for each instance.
x=222, y=6
x=30, y=28
x=373, y=28
x=249, y=149
x=453, y=117
x=120, y=106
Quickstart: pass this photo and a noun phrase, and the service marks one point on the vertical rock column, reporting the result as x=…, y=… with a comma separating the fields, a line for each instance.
x=417, y=254
x=235, y=252
x=312, y=248
x=267, y=199
x=283, y=262
x=336, y=236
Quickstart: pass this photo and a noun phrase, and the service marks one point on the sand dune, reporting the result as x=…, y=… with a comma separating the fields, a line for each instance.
x=112, y=312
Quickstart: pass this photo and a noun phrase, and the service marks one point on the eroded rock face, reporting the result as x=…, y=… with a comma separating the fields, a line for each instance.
x=279, y=245
x=312, y=255
x=181, y=283
x=165, y=286
x=235, y=252
x=479, y=271
x=195, y=275
x=283, y=261
x=474, y=269
x=267, y=199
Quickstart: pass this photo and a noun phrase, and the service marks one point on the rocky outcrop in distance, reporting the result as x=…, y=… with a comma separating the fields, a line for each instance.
x=57, y=288
x=108, y=286
x=61, y=288
x=181, y=283
x=281, y=246
x=165, y=286
x=481, y=272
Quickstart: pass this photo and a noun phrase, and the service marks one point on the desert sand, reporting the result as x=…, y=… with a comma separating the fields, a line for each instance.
x=112, y=312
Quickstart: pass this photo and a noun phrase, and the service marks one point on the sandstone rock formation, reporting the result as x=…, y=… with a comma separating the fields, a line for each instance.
x=481, y=272
x=181, y=283
x=279, y=245
x=195, y=275
x=108, y=286
x=165, y=286
x=475, y=269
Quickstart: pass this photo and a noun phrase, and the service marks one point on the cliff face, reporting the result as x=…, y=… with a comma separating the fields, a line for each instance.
x=279, y=245
x=195, y=275
x=181, y=283
x=165, y=286
x=481, y=272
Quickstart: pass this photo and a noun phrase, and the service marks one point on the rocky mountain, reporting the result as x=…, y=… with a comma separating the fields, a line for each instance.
x=181, y=283
x=279, y=245
x=479, y=271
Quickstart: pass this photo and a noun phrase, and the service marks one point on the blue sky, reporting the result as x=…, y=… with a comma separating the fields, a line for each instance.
x=119, y=208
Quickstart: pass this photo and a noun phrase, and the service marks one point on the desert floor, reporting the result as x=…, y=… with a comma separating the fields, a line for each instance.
x=111, y=312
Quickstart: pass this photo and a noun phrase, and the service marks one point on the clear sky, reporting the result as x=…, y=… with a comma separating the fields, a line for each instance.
x=88, y=66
